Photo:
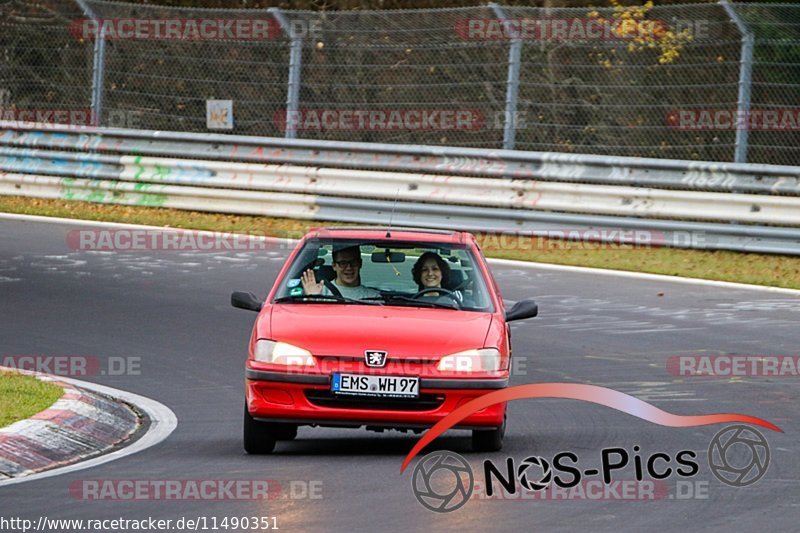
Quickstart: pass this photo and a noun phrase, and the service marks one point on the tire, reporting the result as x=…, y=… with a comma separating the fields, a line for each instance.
x=488, y=440
x=259, y=437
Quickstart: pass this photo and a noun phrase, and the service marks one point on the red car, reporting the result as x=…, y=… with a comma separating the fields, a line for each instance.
x=388, y=329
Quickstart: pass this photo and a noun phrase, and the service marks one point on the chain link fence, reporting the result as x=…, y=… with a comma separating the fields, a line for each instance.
x=776, y=78
x=662, y=81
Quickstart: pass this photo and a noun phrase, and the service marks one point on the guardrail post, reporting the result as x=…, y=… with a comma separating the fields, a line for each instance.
x=295, y=64
x=98, y=65
x=745, y=77
x=512, y=82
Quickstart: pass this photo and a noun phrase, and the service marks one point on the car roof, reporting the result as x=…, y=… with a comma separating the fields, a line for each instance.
x=374, y=233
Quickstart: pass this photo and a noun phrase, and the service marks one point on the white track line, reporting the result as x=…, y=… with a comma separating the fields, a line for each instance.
x=162, y=423
x=647, y=276
x=509, y=262
x=81, y=222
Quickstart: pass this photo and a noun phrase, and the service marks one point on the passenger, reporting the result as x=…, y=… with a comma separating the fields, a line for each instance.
x=347, y=265
x=431, y=272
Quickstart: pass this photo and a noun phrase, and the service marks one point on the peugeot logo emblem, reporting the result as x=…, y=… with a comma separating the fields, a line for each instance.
x=375, y=358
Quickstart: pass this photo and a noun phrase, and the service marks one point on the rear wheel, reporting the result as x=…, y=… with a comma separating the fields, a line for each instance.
x=259, y=437
x=488, y=440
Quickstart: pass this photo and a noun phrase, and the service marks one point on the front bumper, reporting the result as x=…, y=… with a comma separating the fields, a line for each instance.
x=306, y=399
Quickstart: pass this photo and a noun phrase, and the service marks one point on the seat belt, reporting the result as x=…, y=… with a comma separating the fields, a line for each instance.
x=333, y=289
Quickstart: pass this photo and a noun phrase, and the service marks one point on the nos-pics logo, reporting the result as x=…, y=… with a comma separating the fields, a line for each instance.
x=443, y=481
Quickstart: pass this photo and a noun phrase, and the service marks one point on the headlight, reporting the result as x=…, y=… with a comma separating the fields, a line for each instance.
x=281, y=353
x=482, y=360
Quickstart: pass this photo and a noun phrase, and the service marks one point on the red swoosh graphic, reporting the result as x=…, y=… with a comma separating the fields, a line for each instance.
x=587, y=393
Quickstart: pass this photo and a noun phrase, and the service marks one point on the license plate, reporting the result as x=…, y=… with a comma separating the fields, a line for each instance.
x=381, y=386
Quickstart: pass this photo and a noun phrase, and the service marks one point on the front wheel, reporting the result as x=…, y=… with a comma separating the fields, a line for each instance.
x=488, y=440
x=259, y=437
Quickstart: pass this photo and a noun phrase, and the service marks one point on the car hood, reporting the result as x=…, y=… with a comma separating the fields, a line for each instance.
x=404, y=332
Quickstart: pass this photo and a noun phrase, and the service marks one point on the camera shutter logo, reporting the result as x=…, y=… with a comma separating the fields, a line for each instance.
x=443, y=481
x=544, y=480
x=738, y=456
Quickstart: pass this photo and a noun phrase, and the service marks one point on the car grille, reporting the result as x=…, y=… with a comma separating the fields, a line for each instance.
x=325, y=398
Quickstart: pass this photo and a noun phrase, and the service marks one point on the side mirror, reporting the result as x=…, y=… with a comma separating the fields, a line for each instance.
x=521, y=310
x=245, y=300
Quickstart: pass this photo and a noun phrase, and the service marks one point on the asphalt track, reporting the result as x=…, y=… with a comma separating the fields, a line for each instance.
x=171, y=310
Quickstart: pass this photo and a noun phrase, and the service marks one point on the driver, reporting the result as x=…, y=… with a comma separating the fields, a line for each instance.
x=347, y=265
x=431, y=272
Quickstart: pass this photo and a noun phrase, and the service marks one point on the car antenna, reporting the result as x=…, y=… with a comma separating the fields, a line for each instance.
x=391, y=216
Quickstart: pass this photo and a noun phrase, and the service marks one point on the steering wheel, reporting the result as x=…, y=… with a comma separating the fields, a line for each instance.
x=443, y=292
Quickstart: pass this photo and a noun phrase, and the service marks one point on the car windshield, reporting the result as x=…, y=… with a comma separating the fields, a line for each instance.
x=408, y=274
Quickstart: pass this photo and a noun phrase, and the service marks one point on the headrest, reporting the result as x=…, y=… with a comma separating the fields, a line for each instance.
x=456, y=278
x=326, y=272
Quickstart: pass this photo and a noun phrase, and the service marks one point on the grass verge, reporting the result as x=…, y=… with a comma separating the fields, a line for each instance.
x=758, y=269
x=23, y=396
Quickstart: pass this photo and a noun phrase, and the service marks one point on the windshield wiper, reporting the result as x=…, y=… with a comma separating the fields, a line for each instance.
x=318, y=298
x=396, y=298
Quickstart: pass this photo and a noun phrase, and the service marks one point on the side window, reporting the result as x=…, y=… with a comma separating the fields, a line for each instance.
x=474, y=287
x=308, y=258
x=324, y=264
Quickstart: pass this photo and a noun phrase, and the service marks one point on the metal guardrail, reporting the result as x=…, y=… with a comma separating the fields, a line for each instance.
x=409, y=187
x=479, y=190
x=543, y=166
